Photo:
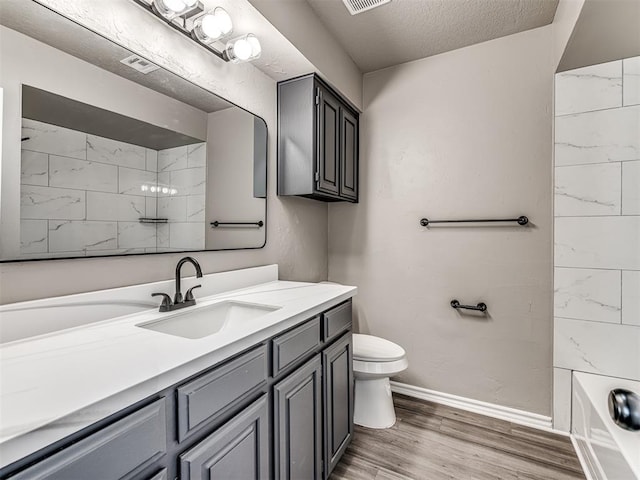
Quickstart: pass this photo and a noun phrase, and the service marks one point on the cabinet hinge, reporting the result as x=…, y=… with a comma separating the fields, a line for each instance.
x=317, y=176
x=317, y=96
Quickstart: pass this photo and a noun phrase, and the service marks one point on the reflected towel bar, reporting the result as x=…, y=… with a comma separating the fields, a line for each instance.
x=234, y=224
x=522, y=220
x=153, y=220
x=481, y=307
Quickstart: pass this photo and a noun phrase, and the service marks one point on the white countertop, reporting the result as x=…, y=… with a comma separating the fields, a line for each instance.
x=56, y=384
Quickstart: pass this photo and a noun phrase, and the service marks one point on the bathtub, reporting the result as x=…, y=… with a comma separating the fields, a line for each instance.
x=606, y=451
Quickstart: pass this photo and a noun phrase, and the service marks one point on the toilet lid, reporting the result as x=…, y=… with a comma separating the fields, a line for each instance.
x=375, y=349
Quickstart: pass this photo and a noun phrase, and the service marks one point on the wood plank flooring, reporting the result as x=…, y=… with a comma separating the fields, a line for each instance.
x=434, y=442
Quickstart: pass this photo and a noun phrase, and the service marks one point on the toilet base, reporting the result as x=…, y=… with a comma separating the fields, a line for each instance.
x=373, y=404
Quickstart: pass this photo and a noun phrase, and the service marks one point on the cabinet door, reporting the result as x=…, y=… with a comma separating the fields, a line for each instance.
x=328, y=131
x=120, y=450
x=297, y=423
x=237, y=450
x=337, y=364
x=348, y=155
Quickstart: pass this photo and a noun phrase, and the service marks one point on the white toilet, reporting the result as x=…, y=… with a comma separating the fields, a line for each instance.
x=374, y=361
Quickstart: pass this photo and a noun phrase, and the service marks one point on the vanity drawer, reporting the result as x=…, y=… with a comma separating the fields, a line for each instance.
x=211, y=394
x=116, y=451
x=336, y=321
x=161, y=475
x=295, y=344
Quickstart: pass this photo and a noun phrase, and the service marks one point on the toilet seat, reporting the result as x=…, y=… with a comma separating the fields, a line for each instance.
x=368, y=348
x=374, y=361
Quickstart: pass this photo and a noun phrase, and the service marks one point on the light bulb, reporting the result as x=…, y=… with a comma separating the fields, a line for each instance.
x=173, y=8
x=213, y=26
x=256, y=48
x=243, y=49
x=173, y=191
x=165, y=190
x=153, y=189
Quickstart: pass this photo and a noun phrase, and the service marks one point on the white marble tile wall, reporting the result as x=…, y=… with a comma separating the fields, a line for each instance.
x=597, y=224
x=587, y=294
x=590, y=88
x=561, y=399
x=631, y=297
x=631, y=81
x=77, y=189
x=105, y=150
x=598, y=242
x=84, y=194
x=631, y=188
x=598, y=137
x=50, y=139
x=597, y=347
x=586, y=190
x=182, y=172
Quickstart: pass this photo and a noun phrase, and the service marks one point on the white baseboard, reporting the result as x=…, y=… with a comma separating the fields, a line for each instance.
x=520, y=417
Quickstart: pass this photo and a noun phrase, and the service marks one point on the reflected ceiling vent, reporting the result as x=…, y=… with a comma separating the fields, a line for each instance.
x=359, y=6
x=140, y=64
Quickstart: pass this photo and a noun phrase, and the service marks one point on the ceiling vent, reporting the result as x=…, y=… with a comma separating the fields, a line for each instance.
x=139, y=64
x=359, y=6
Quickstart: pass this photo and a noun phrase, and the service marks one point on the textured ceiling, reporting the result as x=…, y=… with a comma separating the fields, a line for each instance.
x=406, y=30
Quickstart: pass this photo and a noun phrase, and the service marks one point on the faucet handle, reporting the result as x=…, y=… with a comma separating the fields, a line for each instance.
x=166, y=301
x=189, y=296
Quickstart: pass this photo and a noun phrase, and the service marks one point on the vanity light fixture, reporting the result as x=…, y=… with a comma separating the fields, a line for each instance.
x=243, y=49
x=209, y=28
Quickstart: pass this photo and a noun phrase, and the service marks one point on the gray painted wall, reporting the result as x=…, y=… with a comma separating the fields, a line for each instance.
x=230, y=173
x=460, y=135
x=296, y=228
x=606, y=30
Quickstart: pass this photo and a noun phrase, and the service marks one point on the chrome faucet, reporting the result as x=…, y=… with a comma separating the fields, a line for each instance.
x=178, y=302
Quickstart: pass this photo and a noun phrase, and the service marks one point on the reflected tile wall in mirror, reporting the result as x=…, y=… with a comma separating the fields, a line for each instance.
x=82, y=194
x=74, y=189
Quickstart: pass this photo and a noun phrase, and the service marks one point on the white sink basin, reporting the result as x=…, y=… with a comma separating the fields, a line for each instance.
x=204, y=321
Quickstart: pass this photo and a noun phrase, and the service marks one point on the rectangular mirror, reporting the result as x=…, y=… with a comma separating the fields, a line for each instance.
x=105, y=153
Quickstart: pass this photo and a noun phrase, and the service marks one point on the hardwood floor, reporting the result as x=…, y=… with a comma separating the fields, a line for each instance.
x=432, y=441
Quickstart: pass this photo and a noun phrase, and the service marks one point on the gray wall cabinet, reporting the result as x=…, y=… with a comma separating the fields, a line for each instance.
x=281, y=409
x=317, y=141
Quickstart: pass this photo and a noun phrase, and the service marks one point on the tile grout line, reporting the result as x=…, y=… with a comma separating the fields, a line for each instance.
x=631, y=160
x=594, y=111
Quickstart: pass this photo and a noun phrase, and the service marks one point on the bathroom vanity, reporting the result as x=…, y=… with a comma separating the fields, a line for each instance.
x=268, y=395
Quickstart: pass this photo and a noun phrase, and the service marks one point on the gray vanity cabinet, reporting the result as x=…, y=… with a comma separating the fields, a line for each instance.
x=297, y=423
x=337, y=370
x=120, y=451
x=317, y=141
x=237, y=450
x=280, y=409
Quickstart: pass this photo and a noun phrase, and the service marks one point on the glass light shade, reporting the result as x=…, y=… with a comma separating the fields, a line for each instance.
x=243, y=49
x=213, y=26
x=172, y=8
